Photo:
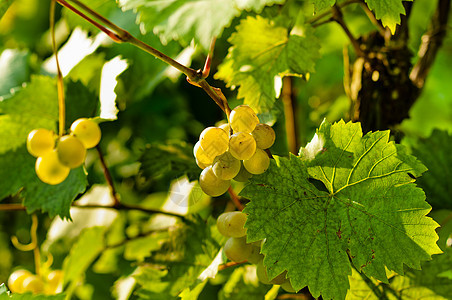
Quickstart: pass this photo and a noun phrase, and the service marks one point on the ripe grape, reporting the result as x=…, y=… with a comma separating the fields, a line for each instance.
x=255, y=256
x=242, y=145
x=288, y=287
x=237, y=250
x=264, y=136
x=33, y=284
x=243, y=118
x=258, y=163
x=40, y=141
x=71, y=151
x=87, y=131
x=243, y=174
x=261, y=272
x=54, y=281
x=201, y=155
x=16, y=280
x=201, y=165
x=226, y=166
x=214, y=141
x=226, y=128
x=211, y=184
x=49, y=168
x=231, y=224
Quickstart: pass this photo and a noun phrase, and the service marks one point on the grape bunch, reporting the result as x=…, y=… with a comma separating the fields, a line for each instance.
x=22, y=281
x=236, y=249
x=234, y=150
x=53, y=163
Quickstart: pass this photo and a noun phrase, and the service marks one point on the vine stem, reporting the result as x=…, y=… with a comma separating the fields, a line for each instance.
x=33, y=245
x=108, y=177
x=338, y=17
x=60, y=83
x=235, y=199
x=289, y=115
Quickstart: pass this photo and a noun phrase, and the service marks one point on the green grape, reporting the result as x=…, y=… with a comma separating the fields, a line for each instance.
x=261, y=272
x=16, y=280
x=211, y=184
x=201, y=165
x=243, y=174
x=237, y=250
x=71, y=151
x=87, y=131
x=231, y=224
x=288, y=287
x=264, y=136
x=214, y=141
x=242, y=145
x=226, y=128
x=226, y=166
x=49, y=168
x=201, y=155
x=40, y=141
x=258, y=163
x=256, y=256
x=33, y=284
x=54, y=282
x=243, y=118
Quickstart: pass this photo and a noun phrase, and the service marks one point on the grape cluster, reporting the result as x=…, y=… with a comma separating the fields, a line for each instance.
x=236, y=249
x=235, y=150
x=53, y=163
x=22, y=281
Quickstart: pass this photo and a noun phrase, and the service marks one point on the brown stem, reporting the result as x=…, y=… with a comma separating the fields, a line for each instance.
x=293, y=296
x=431, y=43
x=373, y=19
x=289, y=115
x=208, y=63
x=235, y=199
x=12, y=207
x=229, y=265
x=338, y=17
x=108, y=177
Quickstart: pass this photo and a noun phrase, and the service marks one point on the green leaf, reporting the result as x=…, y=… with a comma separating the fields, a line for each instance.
x=30, y=296
x=80, y=102
x=4, y=5
x=243, y=285
x=14, y=69
x=139, y=249
x=183, y=20
x=388, y=11
x=172, y=160
x=435, y=153
x=322, y=4
x=367, y=210
x=261, y=54
x=89, y=245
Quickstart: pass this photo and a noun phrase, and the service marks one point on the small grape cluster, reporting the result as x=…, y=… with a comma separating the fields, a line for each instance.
x=22, y=281
x=236, y=249
x=54, y=163
x=233, y=151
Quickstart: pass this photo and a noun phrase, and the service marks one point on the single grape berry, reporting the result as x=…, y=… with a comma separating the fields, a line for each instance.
x=243, y=118
x=226, y=166
x=71, y=151
x=231, y=224
x=49, y=168
x=211, y=184
x=264, y=136
x=243, y=174
x=214, y=141
x=40, y=141
x=54, y=282
x=288, y=287
x=255, y=256
x=242, y=145
x=226, y=127
x=258, y=163
x=261, y=272
x=237, y=250
x=33, y=284
x=87, y=131
x=201, y=155
x=16, y=280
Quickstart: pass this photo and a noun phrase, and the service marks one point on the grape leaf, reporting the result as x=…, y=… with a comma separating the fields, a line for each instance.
x=14, y=68
x=89, y=245
x=322, y=4
x=139, y=249
x=80, y=102
x=388, y=11
x=184, y=20
x=368, y=210
x=30, y=296
x=435, y=152
x=261, y=54
x=172, y=160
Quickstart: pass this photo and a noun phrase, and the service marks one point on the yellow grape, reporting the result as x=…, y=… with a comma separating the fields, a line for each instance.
x=226, y=128
x=264, y=136
x=71, y=151
x=214, y=141
x=211, y=184
x=258, y=163
x=243, y=118
x=33, y=284
x=40, y=141
x=242, y=145
x=54, y=282
x=49, y=168
x=231, y=224
x=16, y=280
x=87, y=131
x=226, y=166
x=201, y=155
x=237, y=250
